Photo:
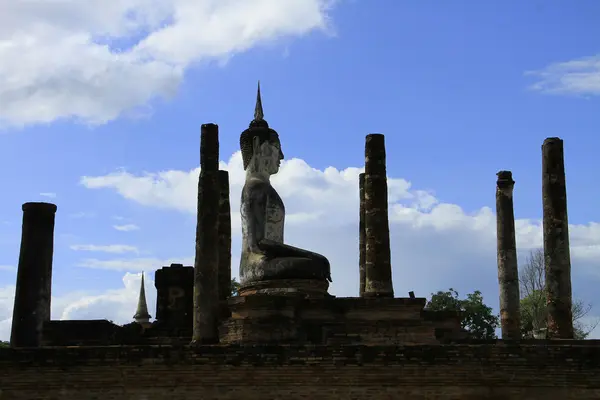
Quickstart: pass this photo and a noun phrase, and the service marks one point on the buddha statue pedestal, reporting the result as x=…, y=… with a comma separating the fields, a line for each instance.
x=268, y=311
x=307, y=288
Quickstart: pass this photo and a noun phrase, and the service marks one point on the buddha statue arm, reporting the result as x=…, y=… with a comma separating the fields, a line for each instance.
x=254, y=206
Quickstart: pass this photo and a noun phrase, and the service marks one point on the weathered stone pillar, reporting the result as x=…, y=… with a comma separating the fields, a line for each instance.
x=378, y=268
x=361, y=234
x=206, y=265
x=556, y=241
x=34, y=275
x=224, y=238
x=508, y=270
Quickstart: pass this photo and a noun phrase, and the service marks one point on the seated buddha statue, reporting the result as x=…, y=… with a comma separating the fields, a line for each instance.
x=264, y=254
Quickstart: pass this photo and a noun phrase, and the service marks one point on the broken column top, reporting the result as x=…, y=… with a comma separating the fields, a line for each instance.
x=375, y=154
x=173, y=274
x=375, y=141
x=224, y=175
x=552, y=140
x=209, y=147
x=40, y=207
x=505, y=179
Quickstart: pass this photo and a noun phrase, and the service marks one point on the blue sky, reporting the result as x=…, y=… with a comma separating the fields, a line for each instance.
x=93, y=99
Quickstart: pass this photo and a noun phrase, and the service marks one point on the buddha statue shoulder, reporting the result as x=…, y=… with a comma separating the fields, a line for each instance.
x=264, y=254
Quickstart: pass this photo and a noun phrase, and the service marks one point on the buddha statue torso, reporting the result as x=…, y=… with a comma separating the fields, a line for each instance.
x=275, y=216
x=264, y=254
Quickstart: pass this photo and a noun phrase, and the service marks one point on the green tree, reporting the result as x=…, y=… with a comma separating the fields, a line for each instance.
x=4, y=344
x=477, y=318
x=235, y=287
x=533, y=301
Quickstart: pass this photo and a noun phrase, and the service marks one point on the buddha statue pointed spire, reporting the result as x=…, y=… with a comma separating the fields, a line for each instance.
x=141, y=315
x=258, y=109
x=259, y=116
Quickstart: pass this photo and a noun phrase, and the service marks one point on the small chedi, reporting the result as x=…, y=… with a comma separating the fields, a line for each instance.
x=284, y=336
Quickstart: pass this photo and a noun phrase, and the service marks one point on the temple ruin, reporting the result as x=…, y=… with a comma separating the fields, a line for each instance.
x=284, y=336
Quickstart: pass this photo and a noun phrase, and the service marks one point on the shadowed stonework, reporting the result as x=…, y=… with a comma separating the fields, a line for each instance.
x=508, y=270
x=206, y=264
x=494, y=370
x=361, y=235
x=34, y=275
x=556, y=240
x=174, y=297
x=378, y=268
x=284, y=336
x=224, y=237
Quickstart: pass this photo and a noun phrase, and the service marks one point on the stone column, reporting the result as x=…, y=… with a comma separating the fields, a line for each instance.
x=557, y=256
x=378, y=269
x=224, y=238
x=361, y=234
x=508, y=270
x=34, y=275
x=206, y=265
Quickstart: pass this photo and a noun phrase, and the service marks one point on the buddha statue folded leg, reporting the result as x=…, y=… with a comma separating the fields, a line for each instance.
x=295, y=268
x=267, y=268
x=293, y=262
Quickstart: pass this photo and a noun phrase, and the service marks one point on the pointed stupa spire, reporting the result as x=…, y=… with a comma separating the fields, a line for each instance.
x=258, y=109
x=141, y=314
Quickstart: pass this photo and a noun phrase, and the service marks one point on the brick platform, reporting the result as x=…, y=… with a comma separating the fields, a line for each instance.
x=544, y=370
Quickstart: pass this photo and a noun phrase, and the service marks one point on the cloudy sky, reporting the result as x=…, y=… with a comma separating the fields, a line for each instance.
x=101, y=104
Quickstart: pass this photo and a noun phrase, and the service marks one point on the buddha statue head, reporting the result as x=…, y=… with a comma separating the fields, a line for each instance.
x=260, y=145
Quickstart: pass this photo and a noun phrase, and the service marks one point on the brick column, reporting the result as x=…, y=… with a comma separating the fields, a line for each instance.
x=175, y=297
x=508, y=270
x=224, y=238
x=361, y=235
x=34, y=275
x=556, y=241
x=206, y=265
x=378, y=269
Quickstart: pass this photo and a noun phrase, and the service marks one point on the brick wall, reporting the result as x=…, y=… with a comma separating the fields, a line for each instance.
x=262, y=319
x=546, y=370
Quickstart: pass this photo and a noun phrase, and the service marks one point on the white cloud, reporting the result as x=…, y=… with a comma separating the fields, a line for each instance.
x=95, y=60
x=322, y=205
x=49, y=195
x=111, y=248
x=132, y=264
x=126, y=227
x=118, y=305
x=82, y=214
x=7, y=298
x=8, y=268
x=577, y=77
